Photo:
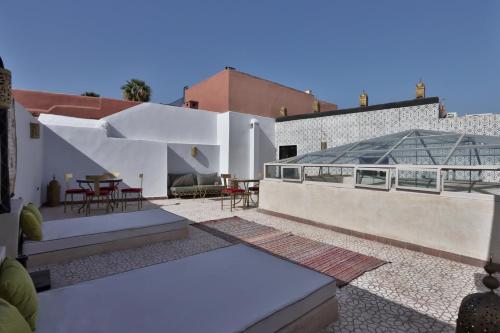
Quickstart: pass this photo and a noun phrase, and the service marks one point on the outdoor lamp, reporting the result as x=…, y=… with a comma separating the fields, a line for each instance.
x=480, y=312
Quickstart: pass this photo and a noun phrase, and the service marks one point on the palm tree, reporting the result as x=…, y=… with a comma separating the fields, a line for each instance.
x=91, y=94
x=136, y=90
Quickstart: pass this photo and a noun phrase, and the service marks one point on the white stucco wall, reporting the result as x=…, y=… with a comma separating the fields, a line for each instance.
x=164, y=123
x=156, y=140
x=223, y=141
x=464, y=224
x=180, y=159
x=84, y=150
x=239, y=144
x=29, y=158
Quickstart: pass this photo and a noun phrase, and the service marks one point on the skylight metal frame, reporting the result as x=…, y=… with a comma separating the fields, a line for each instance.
x=414, y=146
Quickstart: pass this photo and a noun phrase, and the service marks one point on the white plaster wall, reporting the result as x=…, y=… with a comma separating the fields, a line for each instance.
x=156, y=122
x=467, y=225
x=223, y=141
x=180, y=159
x=229, y=130
x=29, y=158
x=144, y=138
x=239, y=143
x=88, y=150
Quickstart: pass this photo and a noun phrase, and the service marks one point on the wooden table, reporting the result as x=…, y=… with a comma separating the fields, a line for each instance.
x=86, y=184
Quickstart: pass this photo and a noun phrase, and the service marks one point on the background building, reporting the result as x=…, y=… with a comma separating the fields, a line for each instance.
x=232, y=90
x=309, y=132
x=39, y=102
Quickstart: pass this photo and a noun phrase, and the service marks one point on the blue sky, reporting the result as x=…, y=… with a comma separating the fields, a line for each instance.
x=335, y=48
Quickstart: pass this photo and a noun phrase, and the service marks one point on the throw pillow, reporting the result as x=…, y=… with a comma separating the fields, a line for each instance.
x=17, y=288
x=207, y=179
x=30, y=225
x=34, y=209
x=185, y=180
x=11, y=321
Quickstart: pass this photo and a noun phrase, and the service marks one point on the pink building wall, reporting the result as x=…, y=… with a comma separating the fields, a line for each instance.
x=231, y=90
x=211, y=94
x=38, y=102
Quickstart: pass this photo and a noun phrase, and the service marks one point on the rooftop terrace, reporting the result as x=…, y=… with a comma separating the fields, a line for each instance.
x=414, y=292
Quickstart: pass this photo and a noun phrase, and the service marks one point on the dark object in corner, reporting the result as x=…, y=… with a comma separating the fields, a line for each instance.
x=480, y=312
x=41, y=279
x=5, y=87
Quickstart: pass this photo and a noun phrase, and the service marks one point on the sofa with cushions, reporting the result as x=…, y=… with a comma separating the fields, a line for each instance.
x=194, y=184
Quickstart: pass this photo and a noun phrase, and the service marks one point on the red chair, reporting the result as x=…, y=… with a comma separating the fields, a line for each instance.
x=232, y=190
x=71, y=191
x=97, y=193
x=136, y=190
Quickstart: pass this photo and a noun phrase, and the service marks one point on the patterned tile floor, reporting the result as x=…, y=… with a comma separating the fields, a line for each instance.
x=413, y=293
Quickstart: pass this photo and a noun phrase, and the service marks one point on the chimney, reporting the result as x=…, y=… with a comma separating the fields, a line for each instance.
x=442, y=111
x=191, y=104
x=316, y=106
x=420, y=89
x=283, y=111
x=363, y=99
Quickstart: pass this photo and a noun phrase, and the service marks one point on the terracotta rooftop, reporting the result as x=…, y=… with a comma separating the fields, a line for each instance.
x=38, y=102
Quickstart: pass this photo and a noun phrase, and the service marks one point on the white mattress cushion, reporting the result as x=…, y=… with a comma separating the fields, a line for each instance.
x=74, y=232
x=226, y=290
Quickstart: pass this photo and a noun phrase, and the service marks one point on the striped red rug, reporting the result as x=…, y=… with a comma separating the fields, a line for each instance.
x=342, y=264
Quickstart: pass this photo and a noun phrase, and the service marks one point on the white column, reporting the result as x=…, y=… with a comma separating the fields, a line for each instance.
x=254, y=159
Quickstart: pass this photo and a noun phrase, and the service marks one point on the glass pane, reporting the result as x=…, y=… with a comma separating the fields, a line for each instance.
x=375, y=178
x=291, y=173
x=273, y=171
x=419, y=179
x=472, y=181
x=329, y=174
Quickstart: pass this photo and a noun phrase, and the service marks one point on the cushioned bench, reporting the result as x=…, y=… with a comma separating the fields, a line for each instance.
x=232, y=289
x=194, y=184
x=76, y=237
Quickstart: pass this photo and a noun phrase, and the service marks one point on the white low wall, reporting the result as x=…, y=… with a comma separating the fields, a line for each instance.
x=29, y=158
x=468, y=225
x=87, y=150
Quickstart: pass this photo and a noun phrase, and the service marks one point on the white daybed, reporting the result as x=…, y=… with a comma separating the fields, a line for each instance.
x=232, y=289
x=71, y=238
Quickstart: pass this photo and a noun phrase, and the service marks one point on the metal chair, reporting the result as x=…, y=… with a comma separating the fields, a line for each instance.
x=71, y=191
x=230, y=189
x=97, y=193
x=137, y=190
x=254, y=190
x=112, y=187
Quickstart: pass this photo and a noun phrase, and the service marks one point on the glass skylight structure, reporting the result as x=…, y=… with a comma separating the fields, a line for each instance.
x=412, y=147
